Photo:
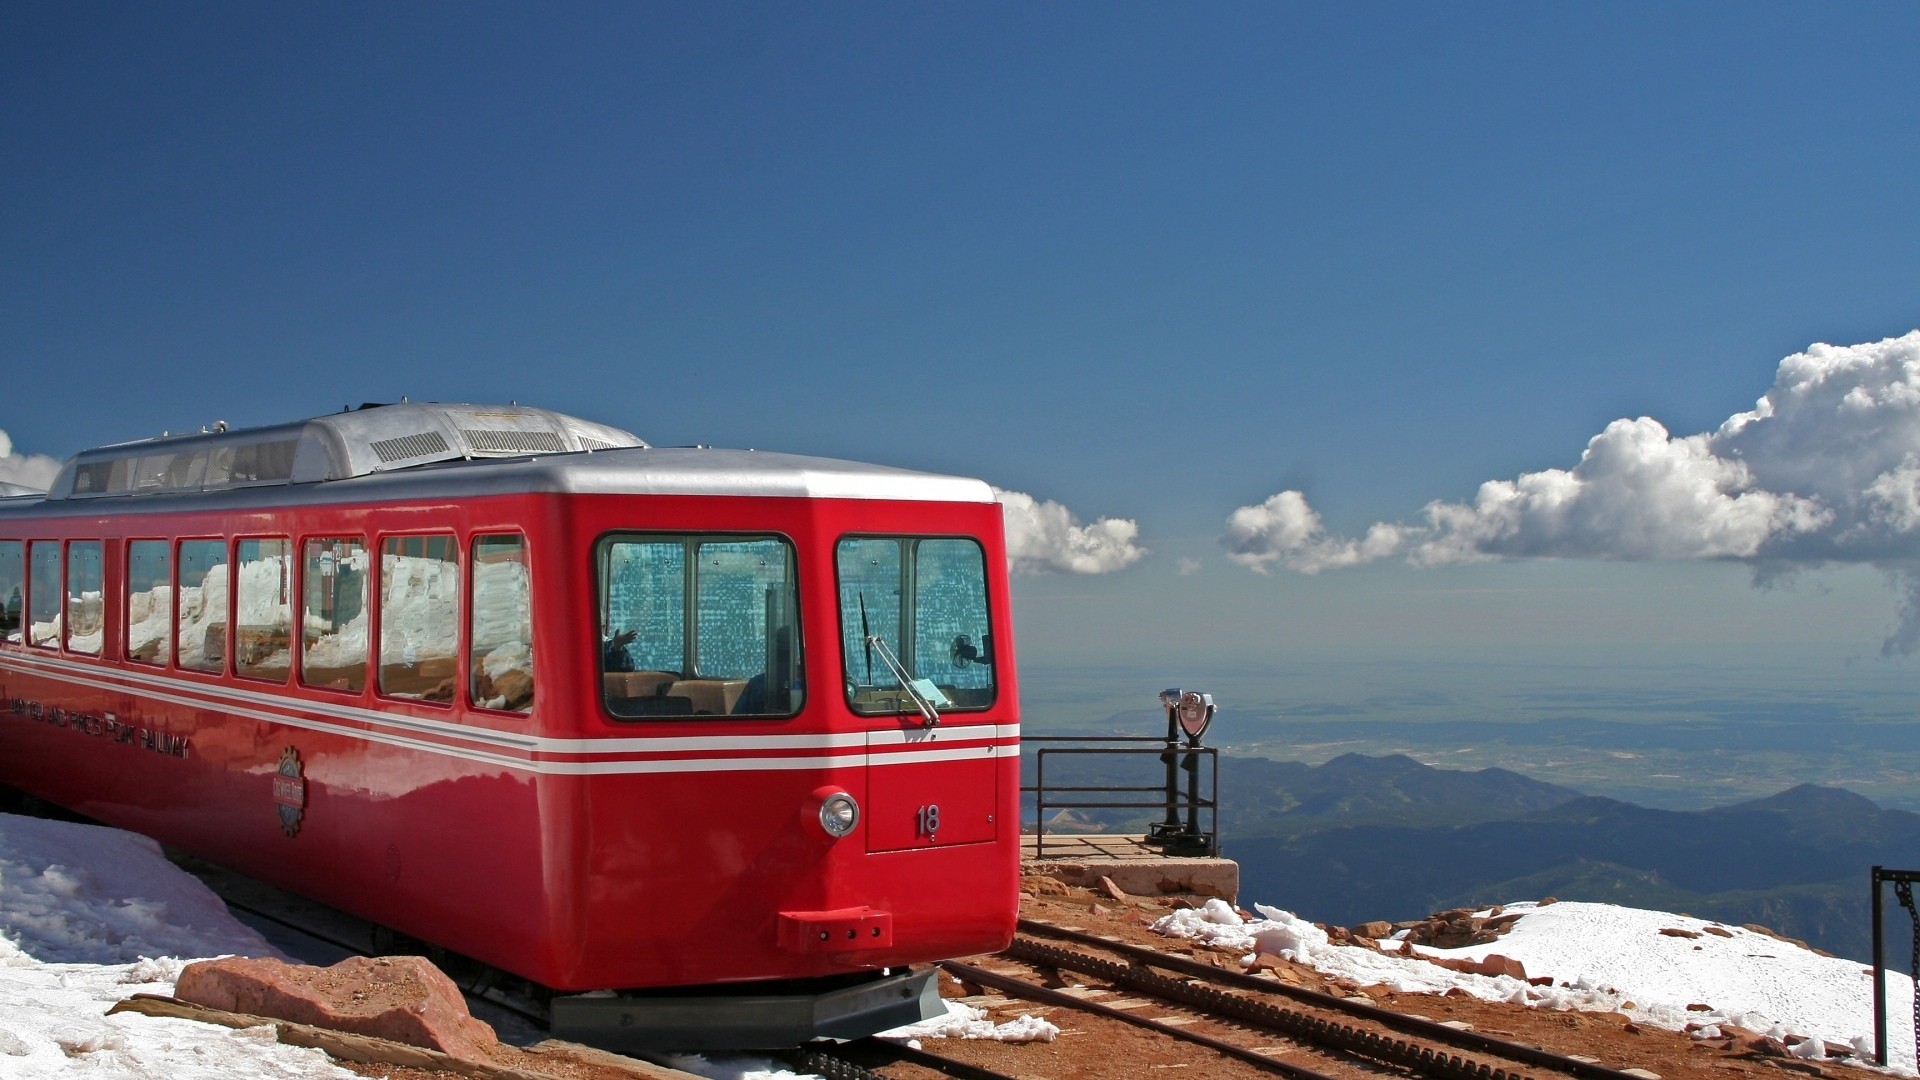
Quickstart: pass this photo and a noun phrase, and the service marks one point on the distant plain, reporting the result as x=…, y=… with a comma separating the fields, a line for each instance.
x=1659, y=734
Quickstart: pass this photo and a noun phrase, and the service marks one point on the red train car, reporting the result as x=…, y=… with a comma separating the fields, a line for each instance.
x=731, y=734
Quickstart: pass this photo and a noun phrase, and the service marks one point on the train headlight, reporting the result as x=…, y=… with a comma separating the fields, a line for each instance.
x=839, y=813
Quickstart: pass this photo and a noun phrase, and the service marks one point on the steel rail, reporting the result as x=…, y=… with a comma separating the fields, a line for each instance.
x=1046, y=996
x=1308, y=1029
x=1397, y=1021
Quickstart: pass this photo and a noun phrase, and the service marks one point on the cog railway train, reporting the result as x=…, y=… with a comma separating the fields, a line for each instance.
x=712, y=745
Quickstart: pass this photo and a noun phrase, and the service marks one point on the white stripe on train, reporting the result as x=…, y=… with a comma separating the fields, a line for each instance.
x=882, y=747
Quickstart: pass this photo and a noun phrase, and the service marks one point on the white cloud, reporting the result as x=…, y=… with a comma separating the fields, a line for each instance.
x=1637, y=493
x=1285, y=530
x=1044, y=537
x=1824, y=468
x=30, y=470
x=1187, y=566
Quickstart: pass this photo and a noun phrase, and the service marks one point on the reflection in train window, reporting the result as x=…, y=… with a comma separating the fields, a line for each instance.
x=419, y=617
x=333, y=613
x=263, y=610
x=84, y=612
x=699, y=626
x=150, y=601
x=919, y=603
x=201, y=611
x=501, y=638
x=13, y=592
x=43, y=594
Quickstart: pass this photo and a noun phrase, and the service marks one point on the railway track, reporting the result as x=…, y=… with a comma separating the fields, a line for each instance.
x=1287, y=1030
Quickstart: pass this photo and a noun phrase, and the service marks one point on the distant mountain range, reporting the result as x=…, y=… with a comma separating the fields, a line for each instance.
x=1797, y=862
x=1286, y=798
x=1362, y=838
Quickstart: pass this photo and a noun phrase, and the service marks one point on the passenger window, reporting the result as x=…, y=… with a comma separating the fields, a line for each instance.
x=150, y=602
x=13, y=592
x=699, y=626
x=201, y=614
x=93, y=477
x=43, y=594
x=85, y=606
x=419, y=617
x=333, y=614
x=914, y=606
x=501, y=661
x=263, y=613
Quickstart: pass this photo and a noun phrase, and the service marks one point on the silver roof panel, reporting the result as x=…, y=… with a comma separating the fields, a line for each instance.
x=363, y=442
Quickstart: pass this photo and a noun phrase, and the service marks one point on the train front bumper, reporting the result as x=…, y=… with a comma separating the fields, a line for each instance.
x=749, y=1016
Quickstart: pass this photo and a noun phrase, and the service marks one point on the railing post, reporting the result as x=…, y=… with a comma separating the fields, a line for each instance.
x=1192, y=765
x=1879, y=980
x=1171, y=824
x=1040, y=805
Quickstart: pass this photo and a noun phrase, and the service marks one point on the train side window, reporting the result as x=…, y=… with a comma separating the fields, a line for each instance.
x=200, y=640
x=43, y=593
x=696, y=626
x=643, y=608
x=13, y=592
x=263, y=610
x=84, y=614
x=501, y=638
x=333, y=613
x=419, y=617
x=150, y=602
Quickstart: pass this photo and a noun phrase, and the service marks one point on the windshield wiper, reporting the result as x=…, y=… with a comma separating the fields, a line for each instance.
x=922, y=695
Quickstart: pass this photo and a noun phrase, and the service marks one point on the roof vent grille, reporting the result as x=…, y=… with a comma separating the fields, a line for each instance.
x=517, y=442
x=410, y=446
x=594, y=444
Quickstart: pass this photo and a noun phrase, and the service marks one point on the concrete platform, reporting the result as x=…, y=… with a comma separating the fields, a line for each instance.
x=1133, y=865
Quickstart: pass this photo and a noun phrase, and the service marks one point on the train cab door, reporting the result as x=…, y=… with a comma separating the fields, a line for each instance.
x=913, y=618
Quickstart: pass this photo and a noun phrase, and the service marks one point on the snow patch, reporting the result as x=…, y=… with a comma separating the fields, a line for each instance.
x=1603, y=958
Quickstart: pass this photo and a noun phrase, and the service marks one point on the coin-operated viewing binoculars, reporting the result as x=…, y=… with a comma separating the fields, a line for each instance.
x=1188, y=713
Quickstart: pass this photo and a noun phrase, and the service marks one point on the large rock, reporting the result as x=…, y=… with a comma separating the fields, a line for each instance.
x=1493, y=964
x=1459, y=928
x=403, y=998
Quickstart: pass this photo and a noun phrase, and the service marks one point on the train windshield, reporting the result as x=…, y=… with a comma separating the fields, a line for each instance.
x=913, y=624
x=699, y=626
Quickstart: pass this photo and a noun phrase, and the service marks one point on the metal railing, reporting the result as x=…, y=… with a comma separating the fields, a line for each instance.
x=1178, y=830
x=1902, y=881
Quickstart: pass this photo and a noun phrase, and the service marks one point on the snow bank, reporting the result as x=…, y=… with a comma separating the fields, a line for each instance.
x=89, y=916
x=967, y=1022
x=91, y=895
x=1604, y=958
x=53, y=1024
x=734, y=1067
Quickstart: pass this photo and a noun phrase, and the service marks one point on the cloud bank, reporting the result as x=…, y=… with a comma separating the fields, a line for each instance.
x=28, y=470
x=1824, y=468
x=1044, y=537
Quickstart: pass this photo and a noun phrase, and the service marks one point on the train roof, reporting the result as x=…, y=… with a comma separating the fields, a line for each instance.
x=360, y=442
x=423, y=451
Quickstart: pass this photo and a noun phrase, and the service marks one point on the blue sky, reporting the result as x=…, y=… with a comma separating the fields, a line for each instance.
x=1154, y=264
